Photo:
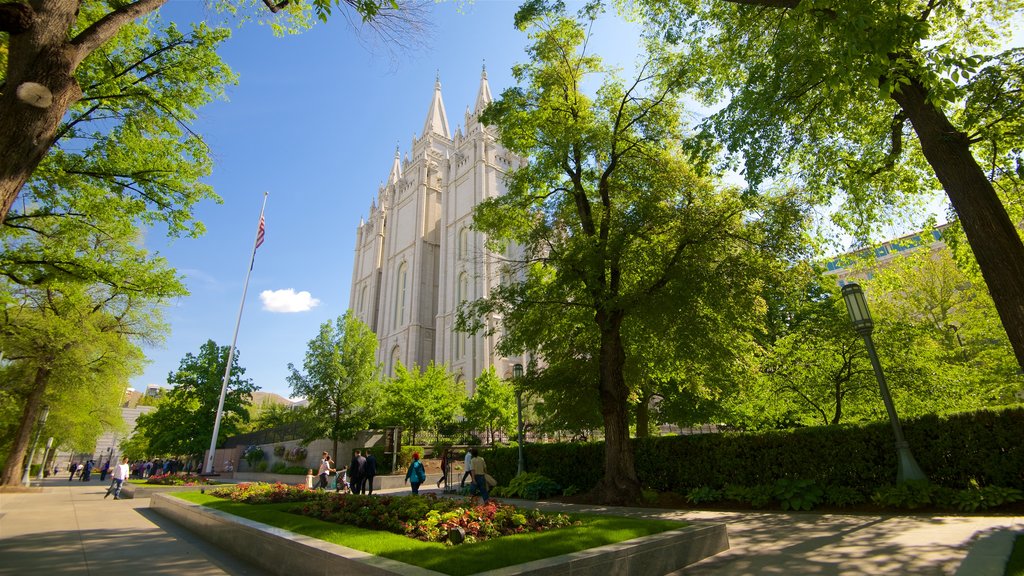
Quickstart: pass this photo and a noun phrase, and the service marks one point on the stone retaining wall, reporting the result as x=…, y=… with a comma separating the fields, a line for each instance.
x=286, y=553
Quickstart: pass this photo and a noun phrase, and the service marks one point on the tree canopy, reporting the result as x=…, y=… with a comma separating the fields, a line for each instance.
x=340, y=382
x=868, y=104
x=183, y=421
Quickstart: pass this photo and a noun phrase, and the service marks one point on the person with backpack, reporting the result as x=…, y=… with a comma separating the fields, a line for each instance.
x=416, y=474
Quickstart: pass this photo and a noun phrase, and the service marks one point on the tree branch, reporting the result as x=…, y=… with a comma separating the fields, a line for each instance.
x=101, y=31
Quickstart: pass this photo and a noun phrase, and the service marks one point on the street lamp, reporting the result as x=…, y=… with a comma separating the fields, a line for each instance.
x=28, y=465
x=49, y=444
x=517, y=374
x=857, y=305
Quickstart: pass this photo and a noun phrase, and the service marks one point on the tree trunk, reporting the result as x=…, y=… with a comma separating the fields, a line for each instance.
x=619, y=485
x=15, y=465
x=993, y=238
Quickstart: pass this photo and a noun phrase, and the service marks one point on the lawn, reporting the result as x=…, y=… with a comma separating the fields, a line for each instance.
x=455, y=560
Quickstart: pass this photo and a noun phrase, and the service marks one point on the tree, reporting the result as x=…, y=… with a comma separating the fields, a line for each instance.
x=617, y=226
x=70, y=342
x=492, y=406
x=422, y=400
x=340, y=381
x=45, y=48
x=183, y=421
x=873, y=99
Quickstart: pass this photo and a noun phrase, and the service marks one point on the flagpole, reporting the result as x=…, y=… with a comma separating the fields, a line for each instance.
x=208, y=469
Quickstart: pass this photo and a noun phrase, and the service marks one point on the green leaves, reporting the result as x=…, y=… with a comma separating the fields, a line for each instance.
x=340, y=380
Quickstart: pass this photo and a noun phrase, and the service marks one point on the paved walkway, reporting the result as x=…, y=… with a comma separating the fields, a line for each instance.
x=69, y=529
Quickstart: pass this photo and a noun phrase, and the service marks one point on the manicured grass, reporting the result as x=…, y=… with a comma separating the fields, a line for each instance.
x=455, y=560
x=1015, y=567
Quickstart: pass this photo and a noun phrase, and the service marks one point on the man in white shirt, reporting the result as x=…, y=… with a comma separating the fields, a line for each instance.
x=119, y=475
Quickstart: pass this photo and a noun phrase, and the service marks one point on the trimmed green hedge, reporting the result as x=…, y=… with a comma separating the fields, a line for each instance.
x=952, y=450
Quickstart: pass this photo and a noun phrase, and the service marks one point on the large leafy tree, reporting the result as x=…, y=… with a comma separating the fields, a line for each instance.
x=182, y=424
x=340, y=381
x=47, y=49
x=617, y=226
x=68, y=340
x=876, y=101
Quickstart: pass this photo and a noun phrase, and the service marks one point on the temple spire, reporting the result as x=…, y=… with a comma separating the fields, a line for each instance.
x=483, y=96
x=396, y=168
x=437, y=120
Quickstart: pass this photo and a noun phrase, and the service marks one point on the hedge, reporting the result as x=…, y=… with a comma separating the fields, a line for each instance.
x=952, y=450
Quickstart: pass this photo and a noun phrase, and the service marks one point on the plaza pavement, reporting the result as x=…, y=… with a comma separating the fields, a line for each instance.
x=69, y=529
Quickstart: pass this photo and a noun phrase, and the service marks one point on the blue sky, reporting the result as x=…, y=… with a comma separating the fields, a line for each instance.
x=314, y=121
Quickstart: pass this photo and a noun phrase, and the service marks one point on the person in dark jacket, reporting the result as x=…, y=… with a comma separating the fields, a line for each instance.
x=369, y=471
x=356, y=470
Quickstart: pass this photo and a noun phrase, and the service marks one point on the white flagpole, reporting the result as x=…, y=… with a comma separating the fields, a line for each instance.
x=208, y=469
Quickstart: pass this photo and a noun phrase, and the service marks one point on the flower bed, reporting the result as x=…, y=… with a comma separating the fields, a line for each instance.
x=179, y=479
x=424, y=517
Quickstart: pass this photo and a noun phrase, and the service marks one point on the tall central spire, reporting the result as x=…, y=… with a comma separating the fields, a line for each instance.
x=437, y=120
x=483, y=96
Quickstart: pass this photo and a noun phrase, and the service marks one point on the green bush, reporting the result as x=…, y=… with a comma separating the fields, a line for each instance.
x=797, y=494
x=843, y=496
x=278, y=467
x=405, y=456
x=261, y=467
x=909, y=495
x=703, y=494
x=952, y=450
x=532, y=486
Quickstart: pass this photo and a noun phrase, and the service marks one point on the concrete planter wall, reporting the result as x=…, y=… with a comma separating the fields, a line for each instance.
x=285, y=553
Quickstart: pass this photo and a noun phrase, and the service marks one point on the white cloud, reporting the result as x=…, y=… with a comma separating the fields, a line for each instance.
x=288, y=301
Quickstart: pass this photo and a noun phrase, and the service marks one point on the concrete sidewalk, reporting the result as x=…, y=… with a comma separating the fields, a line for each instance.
x=69, y=528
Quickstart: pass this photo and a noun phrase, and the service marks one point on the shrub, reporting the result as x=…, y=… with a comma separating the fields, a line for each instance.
x=296, y=454
x=261, y=467
x=843, y=496
x=797, y=494
x=178, y=479
x=279, y=450
x=252, y=455
x=910, y=495
x=703, y=494
x=532, y=486
x=278, y=467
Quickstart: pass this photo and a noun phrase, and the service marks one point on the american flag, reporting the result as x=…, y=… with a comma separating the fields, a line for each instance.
x=261, y=232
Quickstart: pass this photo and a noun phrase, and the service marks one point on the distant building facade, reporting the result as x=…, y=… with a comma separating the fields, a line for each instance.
x=849, y=267
x=416, y=256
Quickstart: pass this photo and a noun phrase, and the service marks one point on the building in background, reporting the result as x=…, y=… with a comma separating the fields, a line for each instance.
x=416, y=256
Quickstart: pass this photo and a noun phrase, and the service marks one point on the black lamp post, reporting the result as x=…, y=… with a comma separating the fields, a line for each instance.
x=857, y=305
x=517, y=374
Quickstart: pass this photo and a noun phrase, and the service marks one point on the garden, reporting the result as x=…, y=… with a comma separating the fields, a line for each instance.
x=450, y=535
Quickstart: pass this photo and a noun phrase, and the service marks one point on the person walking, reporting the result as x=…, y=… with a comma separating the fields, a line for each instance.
x=356, y=469
x=369, y=471
x=325, y=471
x=479, y=468
x=416, y=474
x=104, y=471
x=120, y=474
x=73, y=468
x=87, y=474
x=444, y=468
x=468, y=467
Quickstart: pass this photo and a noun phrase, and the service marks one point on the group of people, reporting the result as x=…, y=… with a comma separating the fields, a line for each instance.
x=357, y=478
x=475, y=466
